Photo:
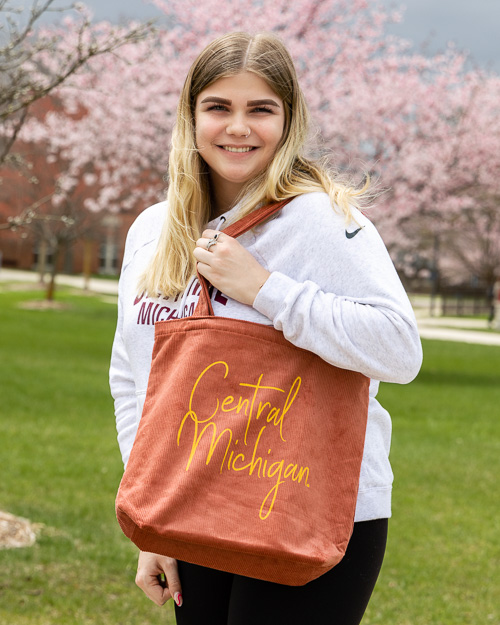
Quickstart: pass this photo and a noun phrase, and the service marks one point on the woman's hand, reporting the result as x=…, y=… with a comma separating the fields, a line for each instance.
x=229, y=267
x=149, y=568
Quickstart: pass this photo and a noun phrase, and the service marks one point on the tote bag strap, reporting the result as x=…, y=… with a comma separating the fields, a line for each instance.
x=204, y=306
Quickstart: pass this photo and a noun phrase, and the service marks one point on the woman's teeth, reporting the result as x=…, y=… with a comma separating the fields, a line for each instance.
x=236, y=149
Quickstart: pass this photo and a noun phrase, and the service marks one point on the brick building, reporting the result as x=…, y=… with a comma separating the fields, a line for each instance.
x=93, y=244
x=78, y=240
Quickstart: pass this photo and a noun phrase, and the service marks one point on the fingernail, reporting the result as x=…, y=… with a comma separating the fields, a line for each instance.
x=178, y=599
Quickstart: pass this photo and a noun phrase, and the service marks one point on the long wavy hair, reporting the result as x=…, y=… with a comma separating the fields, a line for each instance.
x=288, y=174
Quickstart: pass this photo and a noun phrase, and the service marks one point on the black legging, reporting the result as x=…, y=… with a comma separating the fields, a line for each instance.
x=338, y=597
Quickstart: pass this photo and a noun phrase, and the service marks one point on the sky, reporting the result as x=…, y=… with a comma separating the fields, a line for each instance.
x=473, y=25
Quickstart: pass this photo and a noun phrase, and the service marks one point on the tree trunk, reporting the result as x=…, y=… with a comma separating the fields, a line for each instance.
x=42, y=260
x=435, y=277
x=51, y=286
x=87, y=262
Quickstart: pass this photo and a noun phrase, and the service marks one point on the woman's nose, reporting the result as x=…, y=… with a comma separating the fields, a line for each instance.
x=238, y=127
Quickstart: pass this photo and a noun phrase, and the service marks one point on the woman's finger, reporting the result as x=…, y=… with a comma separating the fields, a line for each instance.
x=208, y=242
x=173, y=581
x=203, y=256
x=209, y=234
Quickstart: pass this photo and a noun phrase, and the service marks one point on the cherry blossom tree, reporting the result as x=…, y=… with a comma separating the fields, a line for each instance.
x=445, y=189
x=130, y=98
x=426, y=126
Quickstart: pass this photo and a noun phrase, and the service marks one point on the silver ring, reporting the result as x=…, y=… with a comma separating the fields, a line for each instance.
x=211, y=242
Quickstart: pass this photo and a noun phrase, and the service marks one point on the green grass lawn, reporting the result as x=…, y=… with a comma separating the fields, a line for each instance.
x=60, y=466
x=442, y=563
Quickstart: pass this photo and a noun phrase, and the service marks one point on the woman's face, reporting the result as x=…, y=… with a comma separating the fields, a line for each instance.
x=239, y=124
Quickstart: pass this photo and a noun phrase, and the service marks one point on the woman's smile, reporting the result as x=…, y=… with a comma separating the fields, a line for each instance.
x=237, y=150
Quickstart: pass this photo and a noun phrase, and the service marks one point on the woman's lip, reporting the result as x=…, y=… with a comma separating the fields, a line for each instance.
x=237, y=147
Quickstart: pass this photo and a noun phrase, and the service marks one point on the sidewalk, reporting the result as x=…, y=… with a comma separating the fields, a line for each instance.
x=462, y=330
x=459, y=329
x=432, y=328
x=96, y=285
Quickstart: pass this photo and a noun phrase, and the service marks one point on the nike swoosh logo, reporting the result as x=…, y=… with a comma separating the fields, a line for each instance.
x=351, y=235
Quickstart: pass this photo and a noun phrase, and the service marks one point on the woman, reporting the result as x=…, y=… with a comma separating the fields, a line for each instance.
x=318, y=272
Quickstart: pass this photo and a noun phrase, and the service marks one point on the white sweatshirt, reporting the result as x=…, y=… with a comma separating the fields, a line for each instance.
x=333, y=291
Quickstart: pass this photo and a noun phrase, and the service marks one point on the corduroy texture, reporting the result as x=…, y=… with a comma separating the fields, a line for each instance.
x=248, y=453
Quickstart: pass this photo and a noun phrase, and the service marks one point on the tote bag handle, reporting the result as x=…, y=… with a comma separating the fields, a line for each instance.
x=204, y=306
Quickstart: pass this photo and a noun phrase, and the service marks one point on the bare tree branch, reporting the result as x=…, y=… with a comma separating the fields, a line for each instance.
x=34, y=61
x=17, y=124
x=28, y=215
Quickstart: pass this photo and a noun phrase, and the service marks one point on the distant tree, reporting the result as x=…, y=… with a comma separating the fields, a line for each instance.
x=34, y=60
x=446, y=190
x=52, y=215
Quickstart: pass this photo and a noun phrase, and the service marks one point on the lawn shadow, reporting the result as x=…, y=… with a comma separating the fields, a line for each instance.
x=458, y=379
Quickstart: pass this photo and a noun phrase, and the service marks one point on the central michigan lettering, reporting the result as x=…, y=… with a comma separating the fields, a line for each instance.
x=260, y=414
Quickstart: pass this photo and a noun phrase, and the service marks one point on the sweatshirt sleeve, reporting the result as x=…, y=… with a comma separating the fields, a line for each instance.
x=343, y=300
x=121, y=377
x=122, y=385
x=131, y=354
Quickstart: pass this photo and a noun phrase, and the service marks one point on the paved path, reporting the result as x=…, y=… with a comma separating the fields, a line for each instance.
x=429, y=331
x=438, y=328
x=96, y=285
x=462, y=330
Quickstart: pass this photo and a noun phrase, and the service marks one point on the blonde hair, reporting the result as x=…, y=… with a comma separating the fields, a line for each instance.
x=287, y=175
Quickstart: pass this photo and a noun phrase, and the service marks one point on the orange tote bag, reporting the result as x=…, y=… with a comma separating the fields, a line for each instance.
x=248, y=452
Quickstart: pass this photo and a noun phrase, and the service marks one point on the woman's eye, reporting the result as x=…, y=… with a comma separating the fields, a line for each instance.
x=223, y=107
x=217, y=107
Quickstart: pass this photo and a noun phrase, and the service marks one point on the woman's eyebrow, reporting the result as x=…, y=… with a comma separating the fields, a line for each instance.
x=260, y=102
x=249, y=103
x=216, y=99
